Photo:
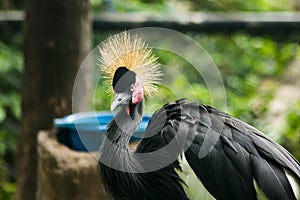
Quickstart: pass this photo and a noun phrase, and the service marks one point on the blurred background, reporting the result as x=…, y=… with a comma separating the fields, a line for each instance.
x=260, y=70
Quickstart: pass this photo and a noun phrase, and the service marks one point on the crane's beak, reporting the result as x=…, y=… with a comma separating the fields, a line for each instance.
x=120, y=99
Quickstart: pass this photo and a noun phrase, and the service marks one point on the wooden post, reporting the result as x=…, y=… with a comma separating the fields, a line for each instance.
x=66, y=174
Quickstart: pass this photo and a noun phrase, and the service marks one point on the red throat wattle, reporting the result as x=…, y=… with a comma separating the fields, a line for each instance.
x=127, y=109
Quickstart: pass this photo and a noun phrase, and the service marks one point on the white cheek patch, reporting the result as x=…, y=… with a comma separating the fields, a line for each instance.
x=138, y=93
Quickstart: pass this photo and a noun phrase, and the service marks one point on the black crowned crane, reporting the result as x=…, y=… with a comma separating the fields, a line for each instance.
x=189, y=150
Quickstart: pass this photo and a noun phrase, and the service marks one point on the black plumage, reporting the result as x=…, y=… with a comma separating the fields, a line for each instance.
x=227, y=155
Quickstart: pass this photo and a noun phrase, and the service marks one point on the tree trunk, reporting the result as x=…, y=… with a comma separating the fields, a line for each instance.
x=57, y=37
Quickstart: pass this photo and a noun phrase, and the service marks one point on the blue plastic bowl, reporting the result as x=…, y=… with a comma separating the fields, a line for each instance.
x=85, y=131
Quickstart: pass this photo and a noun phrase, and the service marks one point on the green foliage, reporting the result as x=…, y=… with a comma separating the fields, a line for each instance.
x=129, y=5
x=291, y=137
x=191, y=5
x=101, y=99
x=167, y=5
x=11, y=5
x=7, y=146
x=245, y=62
x=10, y=81
x=238, y=5
x=293, y=120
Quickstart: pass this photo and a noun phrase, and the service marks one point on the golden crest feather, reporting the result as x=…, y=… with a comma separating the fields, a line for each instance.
x=133, y=53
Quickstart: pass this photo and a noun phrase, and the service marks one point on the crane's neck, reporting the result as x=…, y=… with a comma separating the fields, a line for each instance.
x=115, y=150
x=124, y=124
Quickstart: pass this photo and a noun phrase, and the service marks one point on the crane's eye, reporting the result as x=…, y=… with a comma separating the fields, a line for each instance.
x=131, y=88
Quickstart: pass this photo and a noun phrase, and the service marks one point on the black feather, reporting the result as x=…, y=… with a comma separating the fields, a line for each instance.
x=122, y=79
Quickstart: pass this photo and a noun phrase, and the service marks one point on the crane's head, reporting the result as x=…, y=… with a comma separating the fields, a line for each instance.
x=127, y=87
x=129, y=68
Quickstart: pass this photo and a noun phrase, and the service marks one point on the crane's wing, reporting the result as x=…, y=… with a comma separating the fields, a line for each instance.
x=242, y=157
x=232, y=159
